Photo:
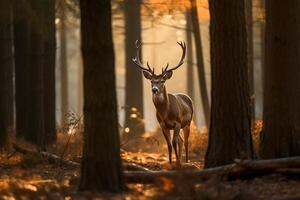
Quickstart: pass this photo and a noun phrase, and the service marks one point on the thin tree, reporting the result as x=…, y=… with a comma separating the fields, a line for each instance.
x=101, y=163
x=6, y=70
x=249, y=21
x=281, y=133
x=189, y=44
x=134, y=110
x=230, y=129
x=262, y=39
x=64, y=92
x=200, y=61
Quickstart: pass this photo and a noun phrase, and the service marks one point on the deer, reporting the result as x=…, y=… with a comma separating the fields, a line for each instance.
x=173, y=111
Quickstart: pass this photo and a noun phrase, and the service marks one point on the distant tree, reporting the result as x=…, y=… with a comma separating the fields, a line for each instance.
x=6, y=70
x=64, y=92
x=101, y=168
x=249, y=21
x=281, y=133
x=189, y=45
x=21, y=28
x=200, y=61
x=134, y=81
x=49, y=69
x=262, y=38
x=230, y=129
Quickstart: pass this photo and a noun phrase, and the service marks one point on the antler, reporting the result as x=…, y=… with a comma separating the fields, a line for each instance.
x=137, y=59
x=182, y=45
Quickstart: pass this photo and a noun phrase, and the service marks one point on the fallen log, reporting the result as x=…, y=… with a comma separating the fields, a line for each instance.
x=49, y=156
x=241, y=169
x=135, y=167
x=56, y=159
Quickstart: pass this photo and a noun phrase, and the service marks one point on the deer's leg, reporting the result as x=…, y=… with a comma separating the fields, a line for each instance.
x=175, y=141
x=180, y=145
x=186, y=132
x=167, y=135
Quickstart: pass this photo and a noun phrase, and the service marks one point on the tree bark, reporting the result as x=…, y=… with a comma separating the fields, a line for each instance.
x=134, y=81
x=101, y=168
x=281, y=132
x=49, y=70
x=200, y=61
x=6, y=71
x=64, y=92
x=230, y=128
x=22, y=59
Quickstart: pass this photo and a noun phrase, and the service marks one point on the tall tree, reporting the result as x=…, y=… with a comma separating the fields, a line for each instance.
x=249, y=21
x=281, y=133
x=36, y=121
x=134, y=81
x=6, y=70
x=200, y=61
x=230, y=129
x=64, y=92
x=22, y=58
x=49, y=69
x=101, y=163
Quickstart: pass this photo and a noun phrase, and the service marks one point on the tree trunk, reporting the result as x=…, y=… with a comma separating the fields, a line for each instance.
x=63, y=65
x=36, y=131
x=80, y=87
x=101, y=168
x=200, y=61
x=22, y=58
x=281, y=132
x=189, y=45
x=230, y=128
x=262, y=40
x=249, y=21
x=6, y=71
x=134, y=81
x=49, y=70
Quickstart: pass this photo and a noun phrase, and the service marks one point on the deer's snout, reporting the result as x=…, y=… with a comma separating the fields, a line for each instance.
x=155, y=90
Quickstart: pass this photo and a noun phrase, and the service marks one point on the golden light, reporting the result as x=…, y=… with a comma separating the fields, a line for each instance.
x=182, y=22
x=168, y=16
x=133, y=116
x=133, y=109
x=127, y=130
x=57, y=20
x=179, y=33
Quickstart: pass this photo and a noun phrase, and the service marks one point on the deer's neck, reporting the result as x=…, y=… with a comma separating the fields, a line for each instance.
x=161, y=101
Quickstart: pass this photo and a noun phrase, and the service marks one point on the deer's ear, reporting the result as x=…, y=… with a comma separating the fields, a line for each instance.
x=168, y=75
x=147, y=74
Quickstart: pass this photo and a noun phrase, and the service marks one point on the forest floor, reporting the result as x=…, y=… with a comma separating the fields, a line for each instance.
x=25, y=176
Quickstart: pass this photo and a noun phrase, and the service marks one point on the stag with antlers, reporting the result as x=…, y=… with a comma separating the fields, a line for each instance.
x=173, y=111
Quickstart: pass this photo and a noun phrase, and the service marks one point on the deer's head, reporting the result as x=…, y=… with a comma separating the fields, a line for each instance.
x=157, y=81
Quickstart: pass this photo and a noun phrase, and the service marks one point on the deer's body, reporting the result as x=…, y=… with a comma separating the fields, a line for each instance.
x=173, y=111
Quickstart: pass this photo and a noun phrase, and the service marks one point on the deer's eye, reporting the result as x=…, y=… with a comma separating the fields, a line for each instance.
x=162, y=81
